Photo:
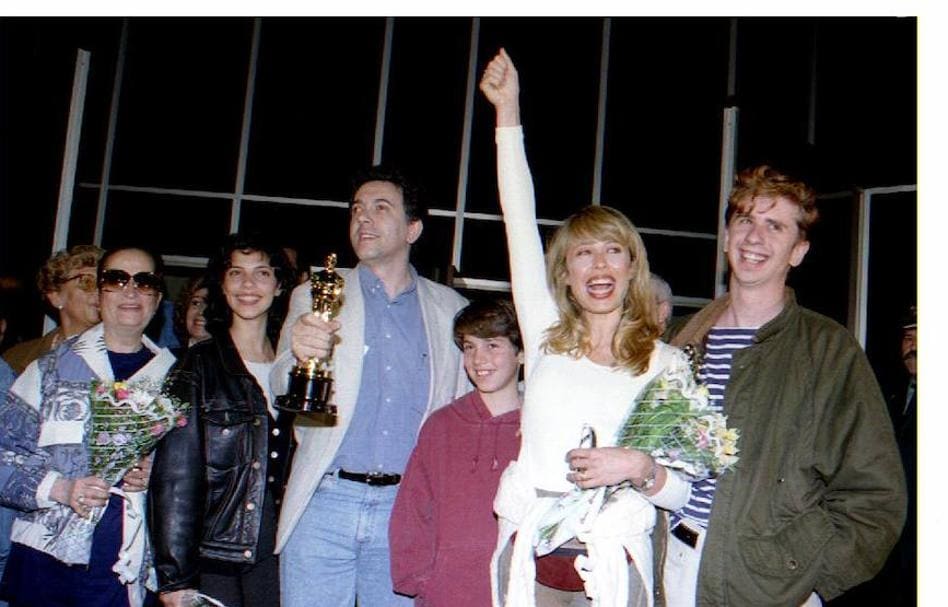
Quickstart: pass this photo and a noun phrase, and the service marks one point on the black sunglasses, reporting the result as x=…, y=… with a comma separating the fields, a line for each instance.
x=146, y=283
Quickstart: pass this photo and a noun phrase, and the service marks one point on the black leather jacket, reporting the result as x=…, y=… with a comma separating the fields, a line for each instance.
x=210, y=478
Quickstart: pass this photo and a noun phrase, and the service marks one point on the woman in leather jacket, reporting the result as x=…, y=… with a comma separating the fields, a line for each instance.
x=217, y=482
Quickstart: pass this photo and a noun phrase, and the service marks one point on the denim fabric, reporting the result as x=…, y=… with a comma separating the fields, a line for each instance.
x=6, y=515
x=393, y=393
x=338, y=551
x=6, y=523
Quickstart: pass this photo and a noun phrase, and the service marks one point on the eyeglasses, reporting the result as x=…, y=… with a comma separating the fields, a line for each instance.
x=86, y=282
x=146, y=283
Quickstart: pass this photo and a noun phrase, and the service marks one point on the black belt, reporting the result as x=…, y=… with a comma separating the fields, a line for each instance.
x=375, y=479
x=685, y=534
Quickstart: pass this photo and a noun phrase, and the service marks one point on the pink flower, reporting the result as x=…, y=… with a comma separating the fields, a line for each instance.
x=182, y=422
x=157, y=429
x=121, y=393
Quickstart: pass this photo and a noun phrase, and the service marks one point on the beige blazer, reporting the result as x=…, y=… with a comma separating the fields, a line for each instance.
x=318, y=446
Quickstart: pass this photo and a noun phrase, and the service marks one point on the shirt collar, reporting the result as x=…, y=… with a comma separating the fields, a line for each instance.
x=372, y=284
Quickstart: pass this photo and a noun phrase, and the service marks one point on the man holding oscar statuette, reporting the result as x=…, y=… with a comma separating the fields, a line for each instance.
x=393, y=362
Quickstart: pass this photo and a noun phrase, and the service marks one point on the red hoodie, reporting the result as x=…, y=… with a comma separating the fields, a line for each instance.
x=443, y=529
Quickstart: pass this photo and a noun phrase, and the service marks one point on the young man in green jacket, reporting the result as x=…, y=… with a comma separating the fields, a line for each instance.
x=818, y=498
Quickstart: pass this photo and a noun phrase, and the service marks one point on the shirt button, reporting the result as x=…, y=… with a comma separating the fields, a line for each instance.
x=248, y=554
x=225, y=431
x=251, y=506
x=274, y=455
x=791, y=564
x=388, y=336
x=270, y=479
x=276, y=432
x=388, y=367
x=255, y=465
x=388, y=400
x=256, y=422
x=384, y=432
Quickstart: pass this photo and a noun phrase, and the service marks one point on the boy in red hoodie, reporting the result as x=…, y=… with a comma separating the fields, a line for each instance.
x=443, y=530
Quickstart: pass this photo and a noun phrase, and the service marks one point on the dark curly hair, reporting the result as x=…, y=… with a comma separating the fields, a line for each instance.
x=218, y=313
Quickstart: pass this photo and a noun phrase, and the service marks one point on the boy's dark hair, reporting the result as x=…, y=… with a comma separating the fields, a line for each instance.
x=415, y=209
x=485, y=318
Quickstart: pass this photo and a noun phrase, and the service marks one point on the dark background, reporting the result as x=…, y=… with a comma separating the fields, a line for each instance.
x=313, y=124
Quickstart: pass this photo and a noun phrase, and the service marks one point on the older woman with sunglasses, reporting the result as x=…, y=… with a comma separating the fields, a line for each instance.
x=45, y=454
x=67, y=282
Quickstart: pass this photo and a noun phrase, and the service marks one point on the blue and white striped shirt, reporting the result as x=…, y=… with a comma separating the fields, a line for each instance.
x=714, y=373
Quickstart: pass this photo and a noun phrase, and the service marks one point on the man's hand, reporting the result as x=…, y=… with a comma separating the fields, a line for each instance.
x=136, y=479
x=501, y=85
x=312, y=337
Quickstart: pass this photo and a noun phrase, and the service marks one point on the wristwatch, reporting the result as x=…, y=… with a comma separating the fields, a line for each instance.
x=649, y=481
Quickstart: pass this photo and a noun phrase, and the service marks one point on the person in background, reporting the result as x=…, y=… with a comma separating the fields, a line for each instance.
x=395, y=362
x=190, y=326
x=45, y=454
x=67, y=282
x=663, y=300
x=217, y=482
x=443, y=530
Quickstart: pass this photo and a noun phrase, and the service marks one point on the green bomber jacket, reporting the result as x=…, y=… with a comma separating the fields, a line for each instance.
x=818, y=499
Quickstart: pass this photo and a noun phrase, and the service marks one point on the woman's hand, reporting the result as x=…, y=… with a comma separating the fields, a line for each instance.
x=81, y=494
x=611, y=466
x=501, y=85
x=136, y=479
x=178, y=598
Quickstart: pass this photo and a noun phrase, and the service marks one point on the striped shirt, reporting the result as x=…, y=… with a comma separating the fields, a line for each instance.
x=714, y=373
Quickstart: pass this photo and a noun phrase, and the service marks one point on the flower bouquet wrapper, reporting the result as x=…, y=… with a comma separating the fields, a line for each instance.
x=672, y=421
x=128, y=420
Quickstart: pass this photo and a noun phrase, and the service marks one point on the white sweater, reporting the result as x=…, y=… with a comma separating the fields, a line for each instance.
x=562, y=395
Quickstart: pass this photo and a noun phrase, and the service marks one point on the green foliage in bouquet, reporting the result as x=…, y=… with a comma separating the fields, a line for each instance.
x=128, y=420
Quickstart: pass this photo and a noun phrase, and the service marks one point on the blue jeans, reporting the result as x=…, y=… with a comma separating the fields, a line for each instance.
x=6, y=523
x=339, y=549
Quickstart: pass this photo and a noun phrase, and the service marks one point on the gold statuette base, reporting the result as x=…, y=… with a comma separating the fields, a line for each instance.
x=309, y=396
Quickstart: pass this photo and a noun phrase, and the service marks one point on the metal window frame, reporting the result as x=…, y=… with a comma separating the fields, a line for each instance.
x=459, y=213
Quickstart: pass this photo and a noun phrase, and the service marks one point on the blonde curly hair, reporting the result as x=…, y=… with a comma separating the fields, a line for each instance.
x=58, y=267
x=635, y=336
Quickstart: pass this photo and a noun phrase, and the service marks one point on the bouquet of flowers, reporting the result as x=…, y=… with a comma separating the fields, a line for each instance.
x=670, y=420
x=128, y=420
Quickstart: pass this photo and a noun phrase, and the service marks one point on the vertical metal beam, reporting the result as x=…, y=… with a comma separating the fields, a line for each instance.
x=728, y=161
x=245, y=128
x=67, y=178
x=383, y=91
x=859, y=298
x=464, y=162
x=601, y=110
x=106, y=176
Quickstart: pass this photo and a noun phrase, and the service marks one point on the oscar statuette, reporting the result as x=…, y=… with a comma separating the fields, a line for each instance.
x=311, y=382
